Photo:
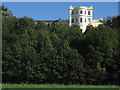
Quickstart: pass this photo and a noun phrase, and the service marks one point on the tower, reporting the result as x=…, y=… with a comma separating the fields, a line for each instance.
x=81, y=16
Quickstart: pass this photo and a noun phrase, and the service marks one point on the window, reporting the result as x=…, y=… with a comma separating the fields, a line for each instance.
x=72, y=12
x=76, y=20
x=80, y=11
x=72, y=20
x=85, y=12
x=85, y=19
x=80, y=19
x=88, y=12
x=89, y=19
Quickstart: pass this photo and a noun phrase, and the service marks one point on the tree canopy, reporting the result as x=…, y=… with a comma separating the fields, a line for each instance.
x=37, y=53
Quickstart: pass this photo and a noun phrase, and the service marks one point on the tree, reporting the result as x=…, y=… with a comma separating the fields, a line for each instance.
x=6, y=12
x=37, y=53
x=101, y=50
x=74, y=37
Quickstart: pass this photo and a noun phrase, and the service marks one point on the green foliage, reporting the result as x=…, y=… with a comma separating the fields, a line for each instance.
x=5, y=12
x=37, y=53
x=101, y=48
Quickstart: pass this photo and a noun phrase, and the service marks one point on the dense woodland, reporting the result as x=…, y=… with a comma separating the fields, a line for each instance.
x=37, y=53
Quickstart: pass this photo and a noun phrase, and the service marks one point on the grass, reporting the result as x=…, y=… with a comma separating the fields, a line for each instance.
x=55, y=86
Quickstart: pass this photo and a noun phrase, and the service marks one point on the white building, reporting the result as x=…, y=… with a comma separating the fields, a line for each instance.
x=82, y=16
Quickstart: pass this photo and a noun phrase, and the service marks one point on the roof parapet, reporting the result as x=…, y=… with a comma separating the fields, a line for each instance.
x=84, y=7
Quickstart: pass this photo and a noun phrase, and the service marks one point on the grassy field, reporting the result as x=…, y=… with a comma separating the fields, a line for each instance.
x=54, y=86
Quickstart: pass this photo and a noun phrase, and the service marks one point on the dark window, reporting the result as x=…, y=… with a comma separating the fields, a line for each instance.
x=88, y=19
x=88, y=12
x=80, y=11
x=76, y=19
x=72, y=12
x=80, y=19
x=72, y=20
x=85, y=12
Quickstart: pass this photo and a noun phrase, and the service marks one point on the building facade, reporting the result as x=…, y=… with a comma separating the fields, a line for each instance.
x=82, y=16
x=53, y=22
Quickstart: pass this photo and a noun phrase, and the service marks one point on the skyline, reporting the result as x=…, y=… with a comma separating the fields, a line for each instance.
x=55, y=10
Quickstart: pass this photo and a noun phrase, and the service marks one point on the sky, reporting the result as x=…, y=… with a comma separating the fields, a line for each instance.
x=60, y=0
x=55, y=10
